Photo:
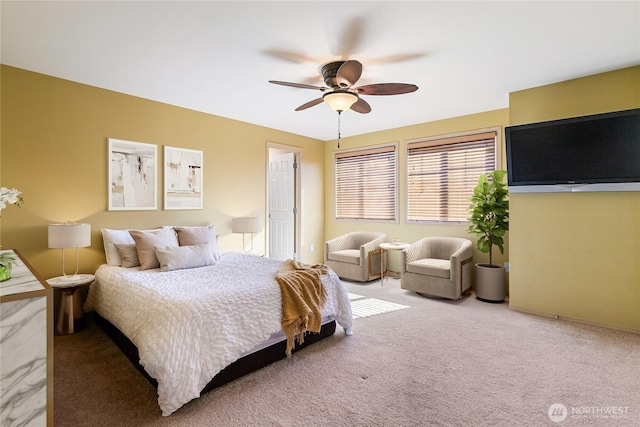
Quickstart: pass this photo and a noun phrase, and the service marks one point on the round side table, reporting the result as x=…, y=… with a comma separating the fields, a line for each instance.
x=386, y=247
x=69, y=316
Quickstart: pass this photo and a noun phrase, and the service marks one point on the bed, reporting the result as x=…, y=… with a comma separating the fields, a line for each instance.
x=188, y=325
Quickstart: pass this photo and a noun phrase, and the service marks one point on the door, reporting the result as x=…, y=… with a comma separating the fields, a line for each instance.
x=282, y=193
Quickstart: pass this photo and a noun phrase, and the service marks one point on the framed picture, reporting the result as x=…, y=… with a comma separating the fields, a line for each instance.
x=182, y=178
x=133, y=174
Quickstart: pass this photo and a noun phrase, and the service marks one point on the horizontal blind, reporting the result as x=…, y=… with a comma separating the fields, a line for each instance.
x=366, y=182
x=442, y=174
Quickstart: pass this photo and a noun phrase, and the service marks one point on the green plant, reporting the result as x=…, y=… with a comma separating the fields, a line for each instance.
x=490, y=212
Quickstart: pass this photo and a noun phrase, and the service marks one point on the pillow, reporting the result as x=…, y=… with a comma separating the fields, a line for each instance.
x=145, y=241
x=128, y=254
x=110, y=238
x=179, y=257
x=198, y=235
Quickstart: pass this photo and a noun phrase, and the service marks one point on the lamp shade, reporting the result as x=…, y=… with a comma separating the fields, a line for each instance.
x=340, y=100
x=246, y=224
x=69, y=235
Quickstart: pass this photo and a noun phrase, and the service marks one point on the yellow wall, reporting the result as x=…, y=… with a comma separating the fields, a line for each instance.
x=410, y=232
x=572, y=255
x=577, y=255
x=54, y=149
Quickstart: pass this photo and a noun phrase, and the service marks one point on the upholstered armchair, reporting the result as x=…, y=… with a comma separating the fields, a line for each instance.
x=351, y=257
x=438, y=266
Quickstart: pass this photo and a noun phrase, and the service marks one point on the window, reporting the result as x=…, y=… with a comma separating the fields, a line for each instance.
x=442, y=173
x=366, y=183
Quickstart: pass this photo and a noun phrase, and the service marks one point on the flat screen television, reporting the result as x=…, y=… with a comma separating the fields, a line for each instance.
x=591, y=153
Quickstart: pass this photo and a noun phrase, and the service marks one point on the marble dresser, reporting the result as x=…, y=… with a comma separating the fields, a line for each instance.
x=26, y=349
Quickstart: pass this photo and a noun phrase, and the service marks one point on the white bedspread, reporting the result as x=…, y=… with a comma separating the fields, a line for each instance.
x=190, y=324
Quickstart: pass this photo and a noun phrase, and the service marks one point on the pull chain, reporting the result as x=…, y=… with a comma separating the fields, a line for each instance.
x=339, y=128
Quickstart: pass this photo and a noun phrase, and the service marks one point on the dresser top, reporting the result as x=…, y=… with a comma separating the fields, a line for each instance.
x=22, y=279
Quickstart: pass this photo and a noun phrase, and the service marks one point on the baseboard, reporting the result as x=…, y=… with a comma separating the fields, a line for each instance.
x=570, y=319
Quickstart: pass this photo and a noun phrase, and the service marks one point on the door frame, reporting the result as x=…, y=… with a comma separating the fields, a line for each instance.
x=297, y=151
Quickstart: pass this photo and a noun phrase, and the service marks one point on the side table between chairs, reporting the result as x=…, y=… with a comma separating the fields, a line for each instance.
x=385, y=248
x=69, y=314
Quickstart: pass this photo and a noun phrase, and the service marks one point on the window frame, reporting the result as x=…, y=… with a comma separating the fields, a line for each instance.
x=391, y=146
x=445, y=139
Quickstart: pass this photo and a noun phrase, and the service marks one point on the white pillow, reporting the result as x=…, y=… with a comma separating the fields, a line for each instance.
x=110, y=237
x=146, y=240
x=198, y=235
x=179, y=257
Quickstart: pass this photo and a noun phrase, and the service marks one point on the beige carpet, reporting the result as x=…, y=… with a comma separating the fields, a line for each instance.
x=433, y=362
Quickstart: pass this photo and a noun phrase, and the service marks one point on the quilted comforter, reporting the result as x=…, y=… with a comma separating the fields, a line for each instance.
x=190, y=324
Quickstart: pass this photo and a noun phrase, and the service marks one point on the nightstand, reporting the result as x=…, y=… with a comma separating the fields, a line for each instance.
x=69, y=317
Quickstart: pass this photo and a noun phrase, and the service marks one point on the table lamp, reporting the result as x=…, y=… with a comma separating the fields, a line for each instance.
x=69, y=235
x=246, y=225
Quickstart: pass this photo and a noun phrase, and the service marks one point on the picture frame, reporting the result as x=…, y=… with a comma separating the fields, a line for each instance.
x=133, y=175
x=183, y=170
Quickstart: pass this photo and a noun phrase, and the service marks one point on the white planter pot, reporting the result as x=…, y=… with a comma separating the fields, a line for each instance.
x=491, y=283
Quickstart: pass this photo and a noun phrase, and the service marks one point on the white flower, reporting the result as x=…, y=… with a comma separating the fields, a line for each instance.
x=9, y=197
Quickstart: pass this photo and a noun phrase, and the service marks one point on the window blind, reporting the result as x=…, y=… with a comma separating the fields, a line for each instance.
x=366, y=184
x=442, y=173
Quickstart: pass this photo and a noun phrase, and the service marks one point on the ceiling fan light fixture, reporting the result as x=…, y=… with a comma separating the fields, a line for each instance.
x=340, y=100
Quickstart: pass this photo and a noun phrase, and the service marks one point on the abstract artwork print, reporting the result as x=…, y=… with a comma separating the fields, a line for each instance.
x=182, y=178
x=132, y=175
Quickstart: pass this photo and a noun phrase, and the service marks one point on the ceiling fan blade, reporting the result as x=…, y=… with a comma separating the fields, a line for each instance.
x=350, y=40
x=298, y=58
x=361, y=106
x=298, y=85
x=386, y=89
x=395, y=58
x=348, y=73
x=309, y=104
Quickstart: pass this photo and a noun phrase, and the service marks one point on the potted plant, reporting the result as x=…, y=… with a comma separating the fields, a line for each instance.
x=490, y=222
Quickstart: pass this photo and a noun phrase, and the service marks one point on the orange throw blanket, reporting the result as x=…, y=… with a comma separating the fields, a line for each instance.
x=303, y=296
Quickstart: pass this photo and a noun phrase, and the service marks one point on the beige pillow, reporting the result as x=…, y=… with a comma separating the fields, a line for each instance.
x=199, y=235
x=128, y=254
x=179, y=257
x=147, y=239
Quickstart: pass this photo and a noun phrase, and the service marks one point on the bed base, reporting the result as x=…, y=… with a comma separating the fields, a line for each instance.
x=243, y=366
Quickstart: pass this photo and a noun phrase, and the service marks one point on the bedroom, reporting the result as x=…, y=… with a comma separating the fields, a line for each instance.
x=54, y=150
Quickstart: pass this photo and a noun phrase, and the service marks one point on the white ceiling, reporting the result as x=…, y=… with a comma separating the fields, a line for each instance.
x=217, y=56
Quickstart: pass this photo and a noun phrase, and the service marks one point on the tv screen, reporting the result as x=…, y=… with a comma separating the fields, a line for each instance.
x=597, y=149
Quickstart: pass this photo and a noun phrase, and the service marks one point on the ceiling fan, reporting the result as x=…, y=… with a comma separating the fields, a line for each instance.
x=340, y=95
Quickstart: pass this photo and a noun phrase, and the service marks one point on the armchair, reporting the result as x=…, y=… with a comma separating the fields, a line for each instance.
x=438, y=266
x=351, y=257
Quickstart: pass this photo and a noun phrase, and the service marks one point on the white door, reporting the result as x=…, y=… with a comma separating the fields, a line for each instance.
x=282, y=204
